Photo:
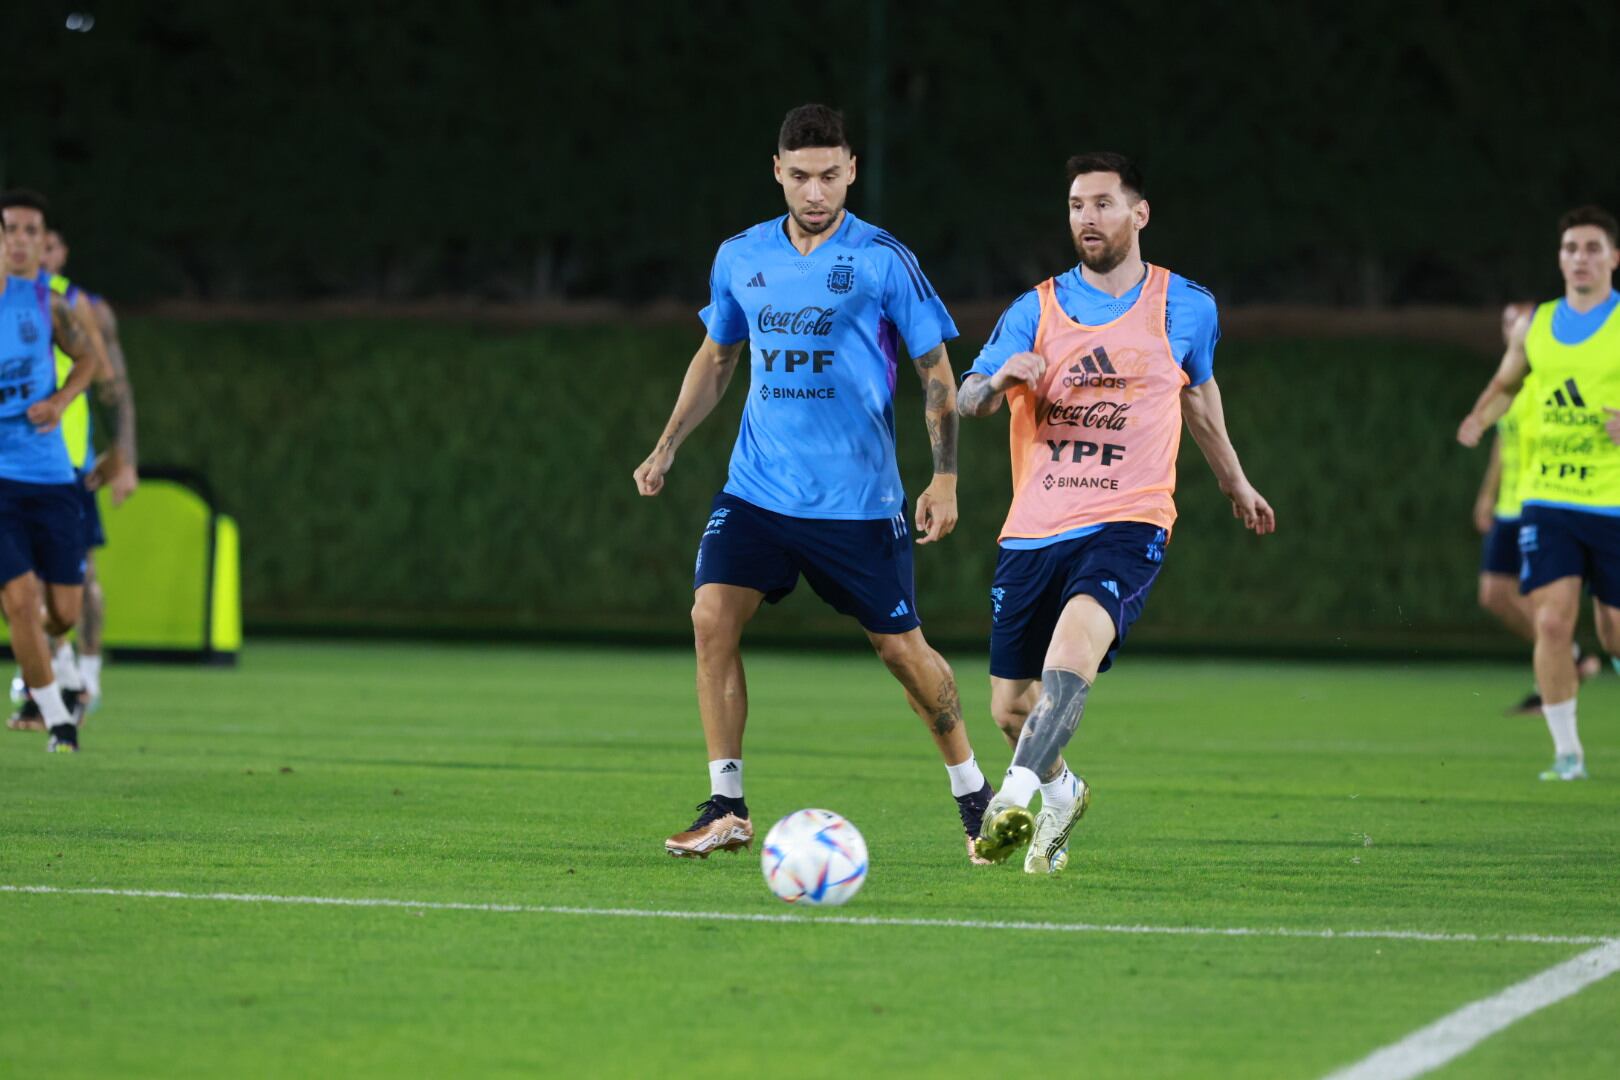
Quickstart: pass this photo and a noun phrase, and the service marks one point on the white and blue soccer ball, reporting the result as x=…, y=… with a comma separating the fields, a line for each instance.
x=814, y=857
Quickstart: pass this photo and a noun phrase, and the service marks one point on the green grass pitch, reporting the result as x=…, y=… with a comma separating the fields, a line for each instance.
x=1227, y=795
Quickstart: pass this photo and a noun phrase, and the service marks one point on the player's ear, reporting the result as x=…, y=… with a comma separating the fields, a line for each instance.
x=852, y=160
x=776, y=167
x=1141, y=212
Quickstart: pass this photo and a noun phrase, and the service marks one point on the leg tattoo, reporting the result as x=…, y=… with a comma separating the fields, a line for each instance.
x=1053, y=722
x=947, y=711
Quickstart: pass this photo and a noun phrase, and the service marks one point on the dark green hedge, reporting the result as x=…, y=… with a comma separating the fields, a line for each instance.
x=426, y=476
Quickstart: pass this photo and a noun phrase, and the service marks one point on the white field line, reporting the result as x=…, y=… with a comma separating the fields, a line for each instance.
x=1454, y=1035
x=819, y=918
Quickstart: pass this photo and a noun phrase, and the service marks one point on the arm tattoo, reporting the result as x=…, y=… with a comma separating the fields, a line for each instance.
x=943, y=424
x=70, y=335
x=930, y=359
x=117, y=393
x=974, y=399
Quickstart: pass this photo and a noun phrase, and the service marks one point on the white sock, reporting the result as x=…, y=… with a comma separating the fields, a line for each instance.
x=1561, y=722
x=90, y=671
x=1059, y=792
x=1019, y=785
x=725, y=777
x=66, y=667
x=49, y=700
x=966, y=777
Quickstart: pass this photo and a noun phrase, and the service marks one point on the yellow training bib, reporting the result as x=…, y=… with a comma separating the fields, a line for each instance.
x=1567, y=458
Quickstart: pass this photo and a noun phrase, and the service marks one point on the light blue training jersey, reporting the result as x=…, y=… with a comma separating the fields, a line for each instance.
x=824, y=333
x=28, y=375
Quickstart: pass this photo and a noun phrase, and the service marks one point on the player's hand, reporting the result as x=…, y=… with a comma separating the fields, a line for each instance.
x=1484, y=515
x=111, y=473
x=1470, y=431
x=46, y=414
x=1024, y=367
x=650, y=473
x=1250, y=507
x=1612, y=425
x=936, y=509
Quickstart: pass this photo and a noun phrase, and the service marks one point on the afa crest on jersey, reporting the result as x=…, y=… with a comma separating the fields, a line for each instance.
x=27, y=330
x=841, y=278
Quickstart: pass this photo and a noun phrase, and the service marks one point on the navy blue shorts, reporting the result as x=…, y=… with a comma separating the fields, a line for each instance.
x=861, y=568
x=42, y=530
x=94, y=535
x=1116, y=566
x=1500, y=554
x=1556, y=543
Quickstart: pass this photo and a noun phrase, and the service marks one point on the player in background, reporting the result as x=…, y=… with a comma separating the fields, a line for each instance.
x=824, y=300
x=41, y=513
x=1566, y=360
x=115, y=469
x=1496, y=516
x=1099, y=366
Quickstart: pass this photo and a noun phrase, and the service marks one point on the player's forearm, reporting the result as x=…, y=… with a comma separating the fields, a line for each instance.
x=977, y=397
x=1493, y=403
x=1206, y=419
x=1221, y=455
x=1491, y=482
x=705, y=383
x=939, y=410
x=78, y=380
x=88, y=362
x=118, y=397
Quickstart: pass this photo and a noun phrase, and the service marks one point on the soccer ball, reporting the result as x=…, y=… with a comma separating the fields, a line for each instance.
x=814, y=857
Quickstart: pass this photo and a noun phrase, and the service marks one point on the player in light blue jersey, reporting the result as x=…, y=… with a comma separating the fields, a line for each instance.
x=825, y=301
x=41, y=516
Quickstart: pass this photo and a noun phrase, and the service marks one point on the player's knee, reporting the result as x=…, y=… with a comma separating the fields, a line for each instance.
x=713, y=627
x=1490, y=594
x=1010, y=720
x=899, y=652
x=1554, y=624
x=20, y=599
x=1009, y=712
x=61, y=613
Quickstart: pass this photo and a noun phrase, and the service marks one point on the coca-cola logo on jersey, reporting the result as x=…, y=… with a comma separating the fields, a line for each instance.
x=1104, y=415
x=809, y=320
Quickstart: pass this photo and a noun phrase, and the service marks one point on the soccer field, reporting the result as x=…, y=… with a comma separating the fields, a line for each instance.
x=1361, y=851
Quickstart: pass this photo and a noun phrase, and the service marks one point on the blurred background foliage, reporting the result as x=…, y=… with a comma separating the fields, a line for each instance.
x=467, y=479
x=1375, y=153
x=567, y=161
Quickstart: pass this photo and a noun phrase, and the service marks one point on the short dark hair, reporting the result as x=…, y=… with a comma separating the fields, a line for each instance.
x=33, y=200
x=812, y=125
x=1591, y=215
x=1130, y=177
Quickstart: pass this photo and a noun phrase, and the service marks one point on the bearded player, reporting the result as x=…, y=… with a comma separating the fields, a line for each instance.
x=1566, y=360
x=824, y=300
x=1099, y=366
